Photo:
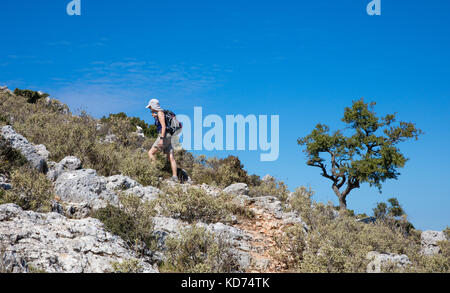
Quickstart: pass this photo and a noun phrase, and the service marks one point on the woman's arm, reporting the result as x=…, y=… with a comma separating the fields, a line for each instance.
x=162, y=120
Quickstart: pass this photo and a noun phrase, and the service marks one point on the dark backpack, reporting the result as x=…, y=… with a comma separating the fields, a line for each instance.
x=172, y=124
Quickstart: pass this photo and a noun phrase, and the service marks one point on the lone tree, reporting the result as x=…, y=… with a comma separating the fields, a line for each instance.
x=369, y=155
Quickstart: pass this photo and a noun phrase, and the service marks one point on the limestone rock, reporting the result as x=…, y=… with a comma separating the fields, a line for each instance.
x=147, y=193
x=55, y=244
x=36, y=155
x=120, y=182
x=268, y=178
x=237, y=189
x=57, y=106
x=379, y=261
x=72, y=210
x=211, y=190
x=110, y=138
x=5, y=89
x=70, y=163
x=10, y=262
x=272, y=205
x=429, y=240
x=238, y=239
x=84, y=186
x=242, y=200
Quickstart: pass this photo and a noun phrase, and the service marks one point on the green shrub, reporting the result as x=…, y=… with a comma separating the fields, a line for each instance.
x=132, y=222
x=270, y=187
x=128, y=266
x=292, y=245
x=219, y=172
x=301, y=201
x=150, y=131
x=194, y=204
x=203, y=170
x=393, y=215
x=117, y=222
x=31, y=190
x=185, y=160
x=138, y=166
x=198, y=251
x=231, y=171
x=62, y=135
x=254, y=180
x=32, y=96
x=3, y=120
x=35, y=270
x=10, y=158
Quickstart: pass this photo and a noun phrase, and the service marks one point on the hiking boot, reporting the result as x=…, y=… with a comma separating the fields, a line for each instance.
x=175, y=179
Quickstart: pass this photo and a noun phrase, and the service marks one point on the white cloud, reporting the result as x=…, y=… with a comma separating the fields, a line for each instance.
x=114, y=86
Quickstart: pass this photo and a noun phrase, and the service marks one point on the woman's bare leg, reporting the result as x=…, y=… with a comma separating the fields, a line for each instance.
x=173, y=164
x=151, y=154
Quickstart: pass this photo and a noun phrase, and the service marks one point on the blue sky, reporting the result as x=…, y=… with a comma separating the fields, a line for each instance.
x=302, y=60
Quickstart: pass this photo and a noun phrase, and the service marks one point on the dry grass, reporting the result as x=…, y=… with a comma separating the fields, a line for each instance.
x=198, y=251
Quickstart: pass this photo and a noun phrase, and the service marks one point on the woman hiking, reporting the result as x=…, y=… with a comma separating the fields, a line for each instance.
x=164, y=141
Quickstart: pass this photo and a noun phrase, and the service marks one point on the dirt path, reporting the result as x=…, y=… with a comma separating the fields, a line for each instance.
x=263, y=229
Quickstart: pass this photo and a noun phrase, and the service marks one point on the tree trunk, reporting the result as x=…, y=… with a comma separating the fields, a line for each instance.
x=342, y=198
x=342, y=203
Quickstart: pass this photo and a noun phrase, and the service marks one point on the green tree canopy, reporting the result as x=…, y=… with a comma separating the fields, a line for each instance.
x=369, y=155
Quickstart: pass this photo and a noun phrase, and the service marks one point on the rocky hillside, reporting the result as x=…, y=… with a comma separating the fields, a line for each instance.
x=60, y=216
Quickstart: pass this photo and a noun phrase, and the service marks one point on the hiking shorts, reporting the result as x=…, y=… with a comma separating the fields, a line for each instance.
x=167, y=144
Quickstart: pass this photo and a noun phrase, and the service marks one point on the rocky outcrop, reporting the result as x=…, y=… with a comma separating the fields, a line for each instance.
x=272, y=205
x=211, y=190
x=10, y=262
x=84, y=186
x=120, y=182
x=237, y=189
x=72, y=210
x=239, y=240
x=53, y=243
x=82, y=190
x=381, y=261
x=429, y=240
x=37, y=155
x=147, y=193
x=57, y=106
x=268, y=178
x=110, y=138
x=67, y=164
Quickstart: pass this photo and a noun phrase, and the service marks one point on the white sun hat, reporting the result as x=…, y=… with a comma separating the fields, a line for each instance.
x=154, y=104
